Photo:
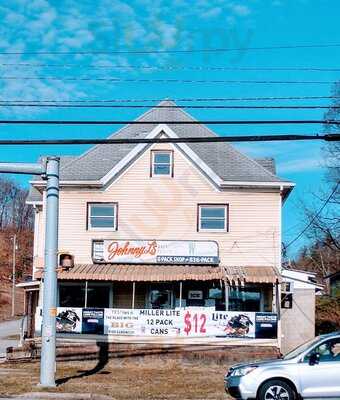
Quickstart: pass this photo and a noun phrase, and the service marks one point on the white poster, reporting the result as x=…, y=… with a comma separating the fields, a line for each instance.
x=68, y=320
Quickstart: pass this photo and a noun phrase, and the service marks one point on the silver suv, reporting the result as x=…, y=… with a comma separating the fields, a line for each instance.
x=310, y=371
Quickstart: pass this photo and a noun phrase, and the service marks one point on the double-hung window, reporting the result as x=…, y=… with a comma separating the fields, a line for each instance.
x=213, y=217
x=161, y=163
x=102, y=216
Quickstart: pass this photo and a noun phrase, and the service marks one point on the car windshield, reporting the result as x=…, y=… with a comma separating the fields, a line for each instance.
x=300, y=349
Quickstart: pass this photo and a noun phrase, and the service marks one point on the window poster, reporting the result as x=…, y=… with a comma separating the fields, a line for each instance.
x=93, y=321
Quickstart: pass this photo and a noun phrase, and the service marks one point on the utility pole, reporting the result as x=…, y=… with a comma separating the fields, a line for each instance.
x=13, y=273
x=48, y=334
x=49, y=172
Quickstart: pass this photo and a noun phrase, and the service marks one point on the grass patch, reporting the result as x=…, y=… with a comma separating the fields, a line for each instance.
x=123, y=379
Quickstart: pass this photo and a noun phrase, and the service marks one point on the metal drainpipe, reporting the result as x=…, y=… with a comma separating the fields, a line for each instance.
x=133, y=294
x=180, y=293
x=86, y=287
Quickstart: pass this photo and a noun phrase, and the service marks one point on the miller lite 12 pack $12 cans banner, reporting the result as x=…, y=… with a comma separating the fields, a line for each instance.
x=188, y=322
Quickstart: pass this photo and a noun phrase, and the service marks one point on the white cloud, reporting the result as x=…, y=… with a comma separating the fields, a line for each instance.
x=212, y=12
x=240, y=9
x=299, y=165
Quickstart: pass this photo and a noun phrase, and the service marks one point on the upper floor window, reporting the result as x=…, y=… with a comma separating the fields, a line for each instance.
x=162, y=163
x=102, y=216
x=213, y=217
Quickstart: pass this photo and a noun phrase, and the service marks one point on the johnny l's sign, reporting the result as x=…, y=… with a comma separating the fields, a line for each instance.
x=161, y=252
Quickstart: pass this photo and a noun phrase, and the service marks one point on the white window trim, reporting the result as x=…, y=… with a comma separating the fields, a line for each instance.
x=226, y=216
x=153, y=153
x=90, y=228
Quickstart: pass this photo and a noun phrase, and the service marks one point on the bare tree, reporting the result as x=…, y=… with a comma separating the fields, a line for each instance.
x=14, y=212
x=16, y=217
x=322, y=255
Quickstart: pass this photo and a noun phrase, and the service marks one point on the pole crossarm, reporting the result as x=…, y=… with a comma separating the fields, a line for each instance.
x=22, y=168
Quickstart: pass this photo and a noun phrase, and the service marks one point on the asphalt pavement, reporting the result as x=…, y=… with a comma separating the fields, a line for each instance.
x=8, y=328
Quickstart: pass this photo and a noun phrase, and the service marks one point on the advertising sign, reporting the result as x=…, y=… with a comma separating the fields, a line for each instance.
x=189, y=322
x=219, y=323
x=69, y=320
x=119, y=321
x=265, y=325
x=93, y=321
x=161, y=251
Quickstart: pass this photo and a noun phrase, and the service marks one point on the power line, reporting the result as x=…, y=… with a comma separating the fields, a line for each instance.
x=170, y=68
x=210, y=139
x=315, y=216
x=163, y=80
x=186, y=99
x=172, y=122
x=51, y=105
x=172, y=51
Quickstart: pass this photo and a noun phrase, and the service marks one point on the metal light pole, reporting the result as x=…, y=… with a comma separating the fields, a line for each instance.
x=13, y=273
x=49, y=172
x=48, y=335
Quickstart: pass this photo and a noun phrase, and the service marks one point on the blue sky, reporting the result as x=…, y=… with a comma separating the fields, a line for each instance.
x=70, y=25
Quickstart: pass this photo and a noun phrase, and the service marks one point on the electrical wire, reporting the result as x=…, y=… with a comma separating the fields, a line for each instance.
x=314, y=217
x=172, y=122
x=209, y=139
x=170, y=68
x=186, y=99
x=242, y=107
x=171, y=51
x=163, y=80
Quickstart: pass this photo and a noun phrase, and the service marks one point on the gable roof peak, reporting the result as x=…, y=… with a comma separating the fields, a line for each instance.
x=167, y=102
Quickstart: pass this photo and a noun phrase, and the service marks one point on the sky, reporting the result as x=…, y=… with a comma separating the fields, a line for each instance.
x=71, y=26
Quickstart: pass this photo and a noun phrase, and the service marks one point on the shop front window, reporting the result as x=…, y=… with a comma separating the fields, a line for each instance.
x=72, y=295
x=98, y=296
x=160, y=299
x=244, y=299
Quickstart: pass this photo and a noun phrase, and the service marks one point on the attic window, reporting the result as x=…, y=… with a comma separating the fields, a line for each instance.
x=162, y=163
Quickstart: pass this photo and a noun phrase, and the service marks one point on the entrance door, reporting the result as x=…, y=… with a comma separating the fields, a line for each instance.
x=160, y=297
x=319, y=373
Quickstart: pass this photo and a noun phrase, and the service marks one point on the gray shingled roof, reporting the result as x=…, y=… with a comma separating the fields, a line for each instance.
x=227, y=162
x=268, y=163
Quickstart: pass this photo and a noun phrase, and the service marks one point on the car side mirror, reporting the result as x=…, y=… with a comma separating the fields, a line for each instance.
x=314, y=358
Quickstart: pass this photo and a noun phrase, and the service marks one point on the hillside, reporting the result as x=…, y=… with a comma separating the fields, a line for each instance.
x=6, y=299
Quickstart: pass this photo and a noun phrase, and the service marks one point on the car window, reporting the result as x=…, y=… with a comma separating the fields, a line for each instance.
x=328, y=351
x=300, y=349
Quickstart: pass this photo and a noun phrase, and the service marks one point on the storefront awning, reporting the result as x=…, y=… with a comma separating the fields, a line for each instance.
x=164, y=273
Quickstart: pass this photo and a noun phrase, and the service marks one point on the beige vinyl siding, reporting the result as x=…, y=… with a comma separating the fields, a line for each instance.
x=166, y=208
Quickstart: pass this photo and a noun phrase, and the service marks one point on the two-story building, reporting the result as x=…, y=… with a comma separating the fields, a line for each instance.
x=166, y=239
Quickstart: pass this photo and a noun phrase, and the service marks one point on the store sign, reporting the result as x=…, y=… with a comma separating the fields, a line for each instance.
x=161, y=252
x=188, y=322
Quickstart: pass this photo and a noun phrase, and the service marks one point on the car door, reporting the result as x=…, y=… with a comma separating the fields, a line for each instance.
x=319, y=371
